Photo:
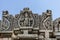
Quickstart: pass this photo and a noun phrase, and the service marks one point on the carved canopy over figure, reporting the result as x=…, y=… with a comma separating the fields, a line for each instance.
x=26, y=18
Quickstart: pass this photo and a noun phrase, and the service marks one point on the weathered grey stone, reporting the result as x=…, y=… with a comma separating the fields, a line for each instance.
x=29, y=26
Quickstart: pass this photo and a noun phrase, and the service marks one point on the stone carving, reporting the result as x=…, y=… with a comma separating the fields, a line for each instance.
x=36, y=21
x=5, y=24
x=25, y=22
x=7, y=21
x=46, y=19
x=25, y=19
x=29, y=25
x=57, y=25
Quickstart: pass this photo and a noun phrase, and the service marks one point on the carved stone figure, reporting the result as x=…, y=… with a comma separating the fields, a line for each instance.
x=29, y=26
x=5, y=24
x=47, y=20
x=57, y=25
x=25, y=19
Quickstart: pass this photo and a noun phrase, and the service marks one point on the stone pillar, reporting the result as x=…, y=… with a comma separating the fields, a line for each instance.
x=47, y=34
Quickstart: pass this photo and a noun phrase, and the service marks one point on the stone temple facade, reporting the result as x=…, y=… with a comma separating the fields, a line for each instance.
x=29, y=26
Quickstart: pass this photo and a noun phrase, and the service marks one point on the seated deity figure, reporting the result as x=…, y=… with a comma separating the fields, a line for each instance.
x=26, y=21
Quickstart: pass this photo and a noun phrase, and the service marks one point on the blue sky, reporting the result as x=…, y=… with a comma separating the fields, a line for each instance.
x=37, y=6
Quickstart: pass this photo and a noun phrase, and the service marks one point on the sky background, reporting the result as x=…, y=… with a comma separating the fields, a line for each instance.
x=37, y=6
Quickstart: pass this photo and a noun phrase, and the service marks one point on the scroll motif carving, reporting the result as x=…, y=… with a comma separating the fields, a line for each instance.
x=5, y=24
x=47, y=22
